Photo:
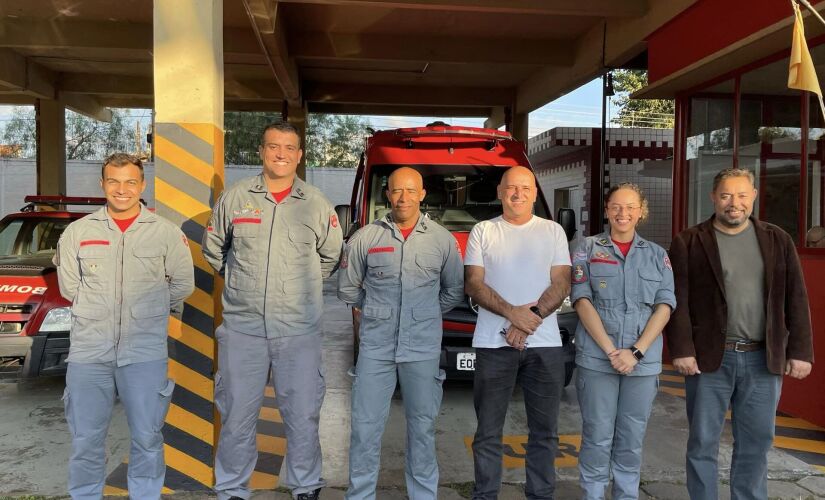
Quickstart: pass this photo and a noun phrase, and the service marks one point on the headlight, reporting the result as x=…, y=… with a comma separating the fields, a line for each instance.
x=57, y=320
x=565, y=307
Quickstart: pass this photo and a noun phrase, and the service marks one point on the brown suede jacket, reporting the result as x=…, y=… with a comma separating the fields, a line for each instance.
x=697, y=326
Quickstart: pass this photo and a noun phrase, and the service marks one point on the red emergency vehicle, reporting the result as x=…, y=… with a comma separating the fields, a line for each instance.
x=462, y=167
x=34, y=317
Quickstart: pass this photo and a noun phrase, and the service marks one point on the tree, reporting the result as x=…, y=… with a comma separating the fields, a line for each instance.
x=335, y=140
x=86, y=138
x=89, y=139
x=243, y=135
x=20, y=132
x=650, y=113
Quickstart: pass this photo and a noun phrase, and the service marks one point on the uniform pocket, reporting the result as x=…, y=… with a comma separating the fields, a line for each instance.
x=149, y=264
x=150, y=318
x=427, y=327
x=95, y=268
x=88, y=324
x=605, y=281
x=67, y=409
x=240, y=278
x=220, y=395
x=429, y=267
x=650, y=282
x=381, y=266
x=162, y=410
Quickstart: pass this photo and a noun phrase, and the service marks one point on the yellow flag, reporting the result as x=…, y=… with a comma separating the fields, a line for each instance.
x=801, y=74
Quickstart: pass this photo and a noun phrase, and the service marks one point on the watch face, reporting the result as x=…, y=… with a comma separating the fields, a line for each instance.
x=535, y=310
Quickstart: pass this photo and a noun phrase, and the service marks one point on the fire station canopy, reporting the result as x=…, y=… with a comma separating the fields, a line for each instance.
x=417, y=57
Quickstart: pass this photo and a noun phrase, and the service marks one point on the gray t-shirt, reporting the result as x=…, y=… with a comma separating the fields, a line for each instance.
x=744, y=275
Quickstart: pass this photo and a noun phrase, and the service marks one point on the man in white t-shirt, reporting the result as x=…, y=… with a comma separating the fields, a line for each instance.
x=517, y=269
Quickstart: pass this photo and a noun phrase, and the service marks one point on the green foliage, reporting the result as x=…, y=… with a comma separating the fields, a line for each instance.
x=20, y=132
x=89, y=139
x=86, y=138
x=650, y=113
x=243, y=135
x=335, y=140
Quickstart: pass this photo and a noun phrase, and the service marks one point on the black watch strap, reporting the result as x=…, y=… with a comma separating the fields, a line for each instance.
x=637, y=353
x=535, y=310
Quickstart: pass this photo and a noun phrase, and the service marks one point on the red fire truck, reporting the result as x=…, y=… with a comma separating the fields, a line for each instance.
x=34, y=317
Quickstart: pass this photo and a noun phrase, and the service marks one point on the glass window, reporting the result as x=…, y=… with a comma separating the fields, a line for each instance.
x=458, y=196
x=815, y=232
x=8, y=236
x=31, y=236
x=708, y=148
x=770, y=143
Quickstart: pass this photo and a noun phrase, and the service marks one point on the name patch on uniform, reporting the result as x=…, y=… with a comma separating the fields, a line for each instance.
x=246, y=220
x=381, y=249
x=94, y=242
x=604, y=261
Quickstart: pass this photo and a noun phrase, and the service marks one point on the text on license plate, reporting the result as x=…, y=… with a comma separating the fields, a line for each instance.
x=466, y=361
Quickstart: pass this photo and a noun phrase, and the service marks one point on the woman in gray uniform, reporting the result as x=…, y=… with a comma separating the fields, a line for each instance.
x=622, y=289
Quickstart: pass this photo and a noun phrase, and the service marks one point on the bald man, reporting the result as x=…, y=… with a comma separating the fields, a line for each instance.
x=815, y=238
x=517, y=269
x=403, y=271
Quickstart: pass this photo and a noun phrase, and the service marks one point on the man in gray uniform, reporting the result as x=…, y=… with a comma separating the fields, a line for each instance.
x=274, y=238
x=124, y=269
x=403, y=271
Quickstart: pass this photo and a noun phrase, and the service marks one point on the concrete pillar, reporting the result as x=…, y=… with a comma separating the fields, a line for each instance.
x=497, y=118
x=51, y=147
x=521, y=127
x=188, y=150
x=297, y=117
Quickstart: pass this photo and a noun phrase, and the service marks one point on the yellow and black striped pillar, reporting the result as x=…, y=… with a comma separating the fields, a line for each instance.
x=188, y=151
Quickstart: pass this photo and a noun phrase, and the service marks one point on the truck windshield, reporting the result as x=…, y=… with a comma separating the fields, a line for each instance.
x=458, y=196
x=30, y=236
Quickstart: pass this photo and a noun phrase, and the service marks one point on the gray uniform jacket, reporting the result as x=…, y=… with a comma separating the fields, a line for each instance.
x=402, y=287
x=122, y=285
x=624, y=292
x=274, y=257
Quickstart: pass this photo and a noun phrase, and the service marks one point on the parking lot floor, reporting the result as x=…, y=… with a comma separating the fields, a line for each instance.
x=35, y=441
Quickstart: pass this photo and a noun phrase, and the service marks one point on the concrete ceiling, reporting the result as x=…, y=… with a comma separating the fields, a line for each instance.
x=425, y=57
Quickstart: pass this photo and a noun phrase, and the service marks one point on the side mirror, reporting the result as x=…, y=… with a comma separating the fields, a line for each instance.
x=567, y=219
x=345, y=219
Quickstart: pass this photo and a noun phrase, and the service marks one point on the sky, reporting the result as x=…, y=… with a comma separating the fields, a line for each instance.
x=579, y=108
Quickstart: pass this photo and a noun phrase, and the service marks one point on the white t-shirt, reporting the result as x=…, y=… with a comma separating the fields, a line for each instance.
x=516, y=262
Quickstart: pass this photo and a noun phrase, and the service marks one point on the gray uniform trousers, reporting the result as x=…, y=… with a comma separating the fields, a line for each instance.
x=145, y=392
x=372, y=392
x=615, y=409
x=244, y=362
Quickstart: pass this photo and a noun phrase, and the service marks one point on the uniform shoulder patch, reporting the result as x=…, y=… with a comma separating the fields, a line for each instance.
x=333, y=220
x=579, y=274
x=667, y=263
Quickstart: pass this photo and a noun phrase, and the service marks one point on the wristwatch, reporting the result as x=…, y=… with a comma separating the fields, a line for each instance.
x=637, y=353
x=535, y=310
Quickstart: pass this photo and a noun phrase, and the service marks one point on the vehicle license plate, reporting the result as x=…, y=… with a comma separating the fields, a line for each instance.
x=466, y=361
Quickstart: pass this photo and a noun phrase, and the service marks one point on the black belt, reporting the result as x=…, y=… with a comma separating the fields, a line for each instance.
x=743, y=346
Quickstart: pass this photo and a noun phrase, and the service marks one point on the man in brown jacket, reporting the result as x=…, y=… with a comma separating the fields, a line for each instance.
x=742, y=322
